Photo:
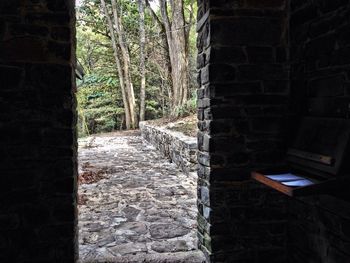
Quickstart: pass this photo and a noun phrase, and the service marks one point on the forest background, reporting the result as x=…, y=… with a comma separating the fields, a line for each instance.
x=139, y=60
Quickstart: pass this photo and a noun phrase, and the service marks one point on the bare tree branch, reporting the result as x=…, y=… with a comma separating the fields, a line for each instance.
x=155, y=17
x=166, y=21
x=190, y=21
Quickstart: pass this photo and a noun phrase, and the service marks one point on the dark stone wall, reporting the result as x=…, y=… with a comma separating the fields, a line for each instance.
x=319, y=230
x=320, y=80
x=243, y=107
x=262, y=65
x=37, y=127
x=320, y=57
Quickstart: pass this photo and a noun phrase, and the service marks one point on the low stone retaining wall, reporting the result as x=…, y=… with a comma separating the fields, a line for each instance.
x=177, y=147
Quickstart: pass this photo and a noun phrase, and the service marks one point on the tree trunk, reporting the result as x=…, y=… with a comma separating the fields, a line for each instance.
x=128, y=119
x=177, y=39
x=126, y=63
x=165, y=45
x=142, y=61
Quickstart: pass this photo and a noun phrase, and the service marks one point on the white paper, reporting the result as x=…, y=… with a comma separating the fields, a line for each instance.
x=299, y=183
x=284, y=177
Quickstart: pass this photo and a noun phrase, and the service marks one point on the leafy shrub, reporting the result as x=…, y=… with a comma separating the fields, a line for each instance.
x=190, y=107
x=99, y=109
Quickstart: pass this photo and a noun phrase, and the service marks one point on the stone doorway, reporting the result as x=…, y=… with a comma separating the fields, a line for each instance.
x=133, y=204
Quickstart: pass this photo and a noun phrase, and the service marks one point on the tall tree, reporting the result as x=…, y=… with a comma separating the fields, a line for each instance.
x=118, y=25
x=123, y=63
x=142, y=60
x=172, y=21
x=118, y=64
x=104, y=95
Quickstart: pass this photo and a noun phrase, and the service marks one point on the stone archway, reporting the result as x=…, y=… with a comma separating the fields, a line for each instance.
x=256, y=59
x=39, y=159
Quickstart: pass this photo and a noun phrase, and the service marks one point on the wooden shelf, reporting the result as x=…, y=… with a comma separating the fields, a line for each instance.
x=317, y=161
x=309, y=186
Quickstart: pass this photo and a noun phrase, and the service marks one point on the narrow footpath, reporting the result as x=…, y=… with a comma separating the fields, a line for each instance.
x=134, y=205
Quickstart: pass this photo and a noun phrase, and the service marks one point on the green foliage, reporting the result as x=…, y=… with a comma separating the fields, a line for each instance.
x=190, y=107
x=100, y=107
x=153, y=110
x=100, y=104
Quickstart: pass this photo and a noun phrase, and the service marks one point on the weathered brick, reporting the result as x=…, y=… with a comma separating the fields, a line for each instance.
x=237, y=160
x=218, y=73
x=11, y=77
x=61, y=51
x=320, y=46
x=234, y=89
x=201, y=60
x=224, y=144
x=200, y=114
x=260, y=54
x=229, y=126
x=341, y=57
x=9, y=7
x=304, y=15
x=246, y=31
x=297, y=4
x=344, y=35
x=281, y=54
x=276, y=86
x=266, y=125
x=61, y=33
x=328, y=107
x=326, y=87
x=262, y=72
x=203, y=103
x=265, y=4
x=227, y=55
x=43, y=77
x=57, y=19
x=17, y=50
x=224, y=4
x=204, y=159
x=19, y=30
x=326, y=6
x=2, y=28
x=59, y=5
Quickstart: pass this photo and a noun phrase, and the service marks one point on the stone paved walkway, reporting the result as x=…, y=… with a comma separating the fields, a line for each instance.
x=134, y=206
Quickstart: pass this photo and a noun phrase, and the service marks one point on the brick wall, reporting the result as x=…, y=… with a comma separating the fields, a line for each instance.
x=243, y=103
x=320, y=81
x=37, y=127
x=320, y=57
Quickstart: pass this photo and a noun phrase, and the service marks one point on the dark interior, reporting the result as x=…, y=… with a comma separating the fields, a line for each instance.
x=263, y=66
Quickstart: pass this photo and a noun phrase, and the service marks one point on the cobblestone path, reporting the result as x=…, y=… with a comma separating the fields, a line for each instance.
x=134, y=206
